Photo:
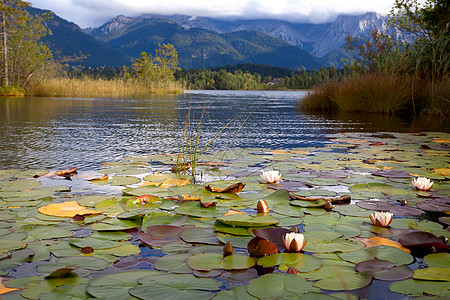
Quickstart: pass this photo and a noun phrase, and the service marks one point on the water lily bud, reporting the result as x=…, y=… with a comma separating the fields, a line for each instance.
x=228, y=249
x=403, y=202
x=271, y=176
x=291, y=270
x=422, y=183
x=294, y=242
x=328, y=206
x=381, y=218
x=262, y=207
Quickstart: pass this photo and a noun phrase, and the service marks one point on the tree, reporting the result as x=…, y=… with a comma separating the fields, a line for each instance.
x=26, y=60
x=159, y=68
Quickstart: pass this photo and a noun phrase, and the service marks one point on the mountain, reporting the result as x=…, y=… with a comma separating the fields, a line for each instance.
x=68, y=39
x=325, y=41
x=201, y=48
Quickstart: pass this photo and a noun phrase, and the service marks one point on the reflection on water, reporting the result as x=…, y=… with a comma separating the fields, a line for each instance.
x=58, y=132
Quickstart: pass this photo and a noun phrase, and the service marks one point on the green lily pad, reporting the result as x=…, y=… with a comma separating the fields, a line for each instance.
x=19, y=185
x=112, y=224
x=223, y=228
x=310, y=204
x=109, y=206
x=195, y=209
x=438, y=260
x=208, y=261
x=92, y=201
x=433, y=273
x=301, y=262
x=344, y=281
x=50, y=284
x=245, y=220
x=236, y=293
x=17, y=258
x=237, y=241
x=412, y=287
x=40, y=232
x=174, y=286
x=288, y=210
x=376, y=188
x=95, y=243
x=329, y=241
x=116, y=285
x=118, y=180
x=387, y=253
x=280, y=286
x=175, y=263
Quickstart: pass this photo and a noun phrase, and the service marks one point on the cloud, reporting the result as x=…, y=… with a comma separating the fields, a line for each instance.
x=94, y=13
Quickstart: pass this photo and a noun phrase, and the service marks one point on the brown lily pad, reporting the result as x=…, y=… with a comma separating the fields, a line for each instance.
x=259, y=247
x=160, y=235
x=275, y=235
x=422, y=240
x=384, y=270
x=233, y=188
x=433, y=205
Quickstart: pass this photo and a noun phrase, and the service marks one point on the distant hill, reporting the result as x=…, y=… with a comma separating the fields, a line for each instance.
x=67, y=39
x=324, y=41
x=200, y=48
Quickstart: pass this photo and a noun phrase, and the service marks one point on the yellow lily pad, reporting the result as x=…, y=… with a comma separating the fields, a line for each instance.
x=67, y=210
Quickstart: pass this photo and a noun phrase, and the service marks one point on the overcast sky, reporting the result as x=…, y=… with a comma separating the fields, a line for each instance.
x=93, y=13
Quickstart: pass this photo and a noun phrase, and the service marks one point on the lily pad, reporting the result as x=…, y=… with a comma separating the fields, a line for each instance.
x=67, y=209
x=421, y=239
x=245, y=220
x=387, y=253
x=280, y=286
x=174, y=286
x=329, y=241
x=208, y=261
x=236, y=293
x=384, y=270
x=413, y=288
x=438, y=260
x=433, y=273
x=200, y=236
x=301, y=262
x=160, y=235
x=116, y=285
x=175, y=263
x=344, y=281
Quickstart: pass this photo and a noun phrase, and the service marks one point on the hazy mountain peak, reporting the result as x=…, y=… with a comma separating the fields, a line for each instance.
x=116, y=24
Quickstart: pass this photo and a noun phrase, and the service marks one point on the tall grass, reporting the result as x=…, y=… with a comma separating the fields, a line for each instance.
x=381, y=93
x=101, y=88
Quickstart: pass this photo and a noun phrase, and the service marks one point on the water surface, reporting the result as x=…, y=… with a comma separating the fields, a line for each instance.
x=58, y=133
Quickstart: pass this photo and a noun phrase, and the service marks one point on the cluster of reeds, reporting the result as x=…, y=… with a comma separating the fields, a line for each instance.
x=102, y=88
x=381, y=93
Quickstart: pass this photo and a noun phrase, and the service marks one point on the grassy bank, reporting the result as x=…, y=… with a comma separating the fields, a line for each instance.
x=381, y=93
x=101, y=88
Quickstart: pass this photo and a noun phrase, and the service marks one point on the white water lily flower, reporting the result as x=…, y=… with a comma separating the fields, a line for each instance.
x=381, y=218
x=422, y=183
x=271, y=176
x=294, y=242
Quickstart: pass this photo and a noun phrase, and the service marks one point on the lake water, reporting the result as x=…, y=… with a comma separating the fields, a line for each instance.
x=58, y=133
